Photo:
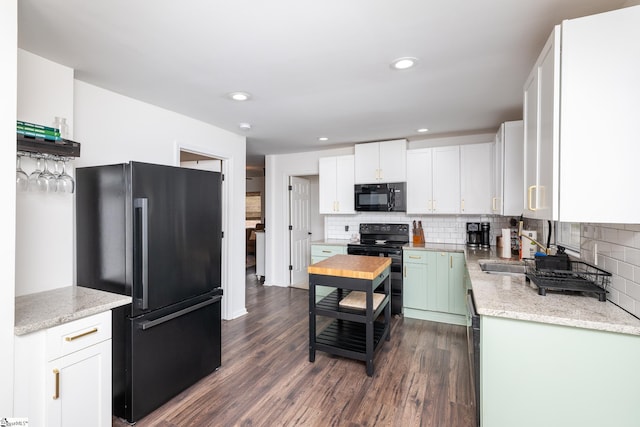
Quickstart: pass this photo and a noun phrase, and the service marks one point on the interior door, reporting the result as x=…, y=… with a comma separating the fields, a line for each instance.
x=300, y=231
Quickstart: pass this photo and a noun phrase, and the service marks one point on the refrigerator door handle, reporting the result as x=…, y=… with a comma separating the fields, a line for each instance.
x=142, y=204
x=148, y=324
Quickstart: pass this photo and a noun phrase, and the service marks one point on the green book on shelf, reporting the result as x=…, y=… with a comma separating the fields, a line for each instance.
x=36, y=126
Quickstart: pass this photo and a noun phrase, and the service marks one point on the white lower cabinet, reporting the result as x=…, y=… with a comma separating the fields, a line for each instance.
x=434, y=286
x=63, y=374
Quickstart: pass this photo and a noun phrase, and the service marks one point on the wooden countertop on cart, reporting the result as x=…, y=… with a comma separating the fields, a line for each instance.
x=351, y=266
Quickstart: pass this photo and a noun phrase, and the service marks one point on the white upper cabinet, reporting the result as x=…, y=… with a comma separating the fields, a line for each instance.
x=433, y=180
x=336, y=185
x=446, y=180
x=580, y=118
x=541, y=141
x=381, y=162
x=419, y=181
x=508, y=175
x=476, y=178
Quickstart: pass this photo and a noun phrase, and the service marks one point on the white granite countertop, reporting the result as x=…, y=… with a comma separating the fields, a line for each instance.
x=512, y=297
x=51, y=308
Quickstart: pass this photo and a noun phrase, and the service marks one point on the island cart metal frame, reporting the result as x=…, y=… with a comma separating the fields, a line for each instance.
x=354, y=333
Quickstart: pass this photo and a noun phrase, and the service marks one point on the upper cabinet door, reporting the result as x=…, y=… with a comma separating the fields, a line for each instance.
x=446, y=180
x=599, y=135
x=367, y=163
x=393, y=161
x=419, y=181
x=344, y=187
x=378, y=162
x=512, y=168
x=541, y=109
x=475, y=178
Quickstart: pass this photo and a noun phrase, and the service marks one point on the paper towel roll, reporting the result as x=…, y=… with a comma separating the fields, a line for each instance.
x=529, y=248
x=505, y=251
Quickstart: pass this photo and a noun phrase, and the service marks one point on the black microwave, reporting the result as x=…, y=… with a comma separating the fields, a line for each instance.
x=389, y=197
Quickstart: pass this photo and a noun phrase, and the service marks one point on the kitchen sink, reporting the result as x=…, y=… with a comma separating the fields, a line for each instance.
x=502, y=268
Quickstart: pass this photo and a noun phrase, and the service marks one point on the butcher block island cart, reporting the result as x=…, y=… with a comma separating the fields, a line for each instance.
x=360, y=306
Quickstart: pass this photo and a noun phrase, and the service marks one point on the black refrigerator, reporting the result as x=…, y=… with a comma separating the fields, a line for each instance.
x=154, y=232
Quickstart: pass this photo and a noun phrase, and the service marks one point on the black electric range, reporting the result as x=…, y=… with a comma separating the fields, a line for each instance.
x=385, y=240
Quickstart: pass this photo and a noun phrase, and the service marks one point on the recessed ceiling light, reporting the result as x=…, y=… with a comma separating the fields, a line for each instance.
x=422, y=130
x=239, y=96
x=323, y=138
x=404, y=63
x=244, y=126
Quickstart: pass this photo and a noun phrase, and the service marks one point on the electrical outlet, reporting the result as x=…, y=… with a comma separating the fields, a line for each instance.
x=346, y=228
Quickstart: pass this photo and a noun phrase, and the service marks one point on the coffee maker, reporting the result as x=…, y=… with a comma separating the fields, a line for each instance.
x=485, y=235
x=473, y=234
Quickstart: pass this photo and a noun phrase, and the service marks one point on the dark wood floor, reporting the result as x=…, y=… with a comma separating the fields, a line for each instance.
x=421, y=376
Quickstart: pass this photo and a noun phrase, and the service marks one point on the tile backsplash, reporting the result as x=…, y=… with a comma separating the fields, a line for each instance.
x=437, y=228
x=615, y=248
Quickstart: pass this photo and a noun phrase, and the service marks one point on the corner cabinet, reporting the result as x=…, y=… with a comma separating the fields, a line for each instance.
x=580, y=113
x=63, y=374
x=508, y=164
x=433, y=180
x=434, y=286
x=378, y=162
x=336, y=183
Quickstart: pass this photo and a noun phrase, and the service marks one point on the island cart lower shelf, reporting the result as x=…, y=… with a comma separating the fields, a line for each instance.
x=355, y=333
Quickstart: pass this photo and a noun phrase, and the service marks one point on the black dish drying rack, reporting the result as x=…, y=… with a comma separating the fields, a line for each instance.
x=552, y=274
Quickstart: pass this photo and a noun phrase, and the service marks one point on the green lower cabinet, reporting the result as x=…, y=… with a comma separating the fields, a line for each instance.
x=320, y=253
x=416, y=273
x=457, y=285
x=536, y=374
x=433, y=286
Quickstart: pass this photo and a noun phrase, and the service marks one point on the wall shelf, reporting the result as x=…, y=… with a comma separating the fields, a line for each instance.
x=62, y=148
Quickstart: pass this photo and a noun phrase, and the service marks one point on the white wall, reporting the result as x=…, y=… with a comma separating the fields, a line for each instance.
x=113, y=129
x=44, y=224
x=278, y=170
x=8, y=67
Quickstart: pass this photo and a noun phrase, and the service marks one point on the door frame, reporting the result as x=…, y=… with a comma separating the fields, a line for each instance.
x=289, y=221
x=226, y=214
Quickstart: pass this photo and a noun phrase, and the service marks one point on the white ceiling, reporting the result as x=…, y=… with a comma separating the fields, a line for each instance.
x=314, y=68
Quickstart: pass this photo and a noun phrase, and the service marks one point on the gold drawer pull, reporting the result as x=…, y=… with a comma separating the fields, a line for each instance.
x=326, y=252
x=415, y=257
x=56, y=373
x=84, y=334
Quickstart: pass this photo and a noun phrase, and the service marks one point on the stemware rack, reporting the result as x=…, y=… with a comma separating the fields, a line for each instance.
x=63, y=149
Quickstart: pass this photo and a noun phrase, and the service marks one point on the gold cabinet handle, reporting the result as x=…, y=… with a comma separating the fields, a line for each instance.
x=462, y=205
x=450, y=261
x=326, y=252
x=83, y=334
x=530, y=191
x=56, y=374
x=415, y=257
x=405, y=271
x=493, y=203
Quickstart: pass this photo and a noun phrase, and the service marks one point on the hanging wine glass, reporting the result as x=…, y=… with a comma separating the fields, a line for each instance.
x=36, y=182
x=65, y=181
x=22, y=179
x=51, y=184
